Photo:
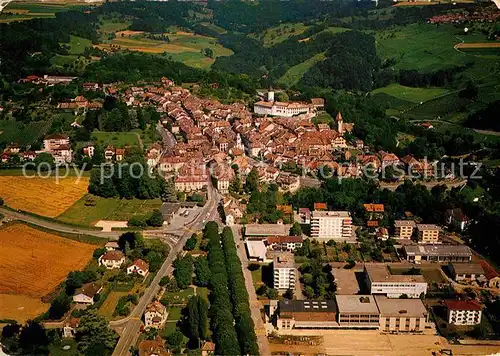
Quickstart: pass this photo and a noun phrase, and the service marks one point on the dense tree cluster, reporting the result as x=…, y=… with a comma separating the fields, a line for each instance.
x=239, y=295
x=128, y=179
x=94, y=336
x=183, y=271
x=221, y=317
x=196, y=319
x=202, y=271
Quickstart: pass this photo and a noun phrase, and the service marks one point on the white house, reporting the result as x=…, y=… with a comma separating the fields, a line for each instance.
x=155, y=315
x=111, y=245
x=112, y=259
x=70, y=326
x=139, y=267
x=86, y=294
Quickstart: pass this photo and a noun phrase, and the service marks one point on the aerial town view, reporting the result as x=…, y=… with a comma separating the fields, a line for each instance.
x=235, y=177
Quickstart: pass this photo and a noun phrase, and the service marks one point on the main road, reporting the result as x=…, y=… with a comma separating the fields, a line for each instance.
x=132, y=327
x=255, y=305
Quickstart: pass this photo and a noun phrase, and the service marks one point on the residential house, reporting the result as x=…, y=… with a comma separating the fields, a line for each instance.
x=456, y=218
x=112, y=259
x=155, y=315
x=154, y=347
x=111, y=245
x=86, y=293
x=208, y=349
x=59, y=147
x=139, y=267
x=69, y=328
x=284, y=243
x=89, y=150
x=491, y=274
x=463, y=312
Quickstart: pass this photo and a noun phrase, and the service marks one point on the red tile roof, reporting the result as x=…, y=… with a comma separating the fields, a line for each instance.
x=463, y=305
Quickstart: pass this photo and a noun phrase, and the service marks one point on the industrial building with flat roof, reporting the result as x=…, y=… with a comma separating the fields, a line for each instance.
x=307, y=314
x=262, y=231
x=382, y=281
x=357, y=311
x=437, y=253
x=401, y=315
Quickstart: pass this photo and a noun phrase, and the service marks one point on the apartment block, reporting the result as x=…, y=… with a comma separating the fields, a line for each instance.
x=463, y=312
x=428, y=233
x=284, y=271
x=403, y=229
x=328, y=225
x=382, y=281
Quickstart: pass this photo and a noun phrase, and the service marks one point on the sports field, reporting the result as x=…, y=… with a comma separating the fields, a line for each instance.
x=83, y=213
x=43, y=196
x=33, y=264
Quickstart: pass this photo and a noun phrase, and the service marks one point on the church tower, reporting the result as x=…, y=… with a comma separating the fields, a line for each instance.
x=340, y=123
x=270, y=95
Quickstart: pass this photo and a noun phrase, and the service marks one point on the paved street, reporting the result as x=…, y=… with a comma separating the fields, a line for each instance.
x=132, y=327
x=255, y=305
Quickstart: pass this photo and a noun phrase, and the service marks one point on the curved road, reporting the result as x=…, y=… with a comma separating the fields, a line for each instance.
x=132, y=328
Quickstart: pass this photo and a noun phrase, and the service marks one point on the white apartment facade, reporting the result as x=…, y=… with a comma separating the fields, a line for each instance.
x=403, y=229
x=284, y=272
x=328, y=225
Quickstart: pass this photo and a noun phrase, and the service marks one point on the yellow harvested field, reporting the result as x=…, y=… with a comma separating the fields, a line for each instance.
x=479, y=45
x=46, y=197
x=129, y=33
x=20, y=307
x=34, y=262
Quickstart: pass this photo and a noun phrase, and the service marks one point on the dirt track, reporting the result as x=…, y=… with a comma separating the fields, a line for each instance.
x=478, y=45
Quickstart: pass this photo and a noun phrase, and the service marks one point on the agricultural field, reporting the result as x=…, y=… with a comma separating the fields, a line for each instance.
x=295, y=73
x=13, y=131
x=21, y=307
x=414, y=95
x=330, y=30
x=42, y=196
x=78, y=44
x=108, y=307
x=33, y=264
x=20, y=11
x=278, y=34
x=112, y=25
x=213, y=27
x=425, y=47
x=184, y=46
x=116, y=139
x=82, y=213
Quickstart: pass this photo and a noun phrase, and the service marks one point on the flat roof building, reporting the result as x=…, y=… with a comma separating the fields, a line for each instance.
x=437, y=253
x=256, y=250
x=428, y=233
x=467, y=272
x=328, y=225
x=357, y=311
x=401, y=315
x=346, y=281
x=284, y=272
x=307, y=314
x=262, y=231
x=382, y=281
